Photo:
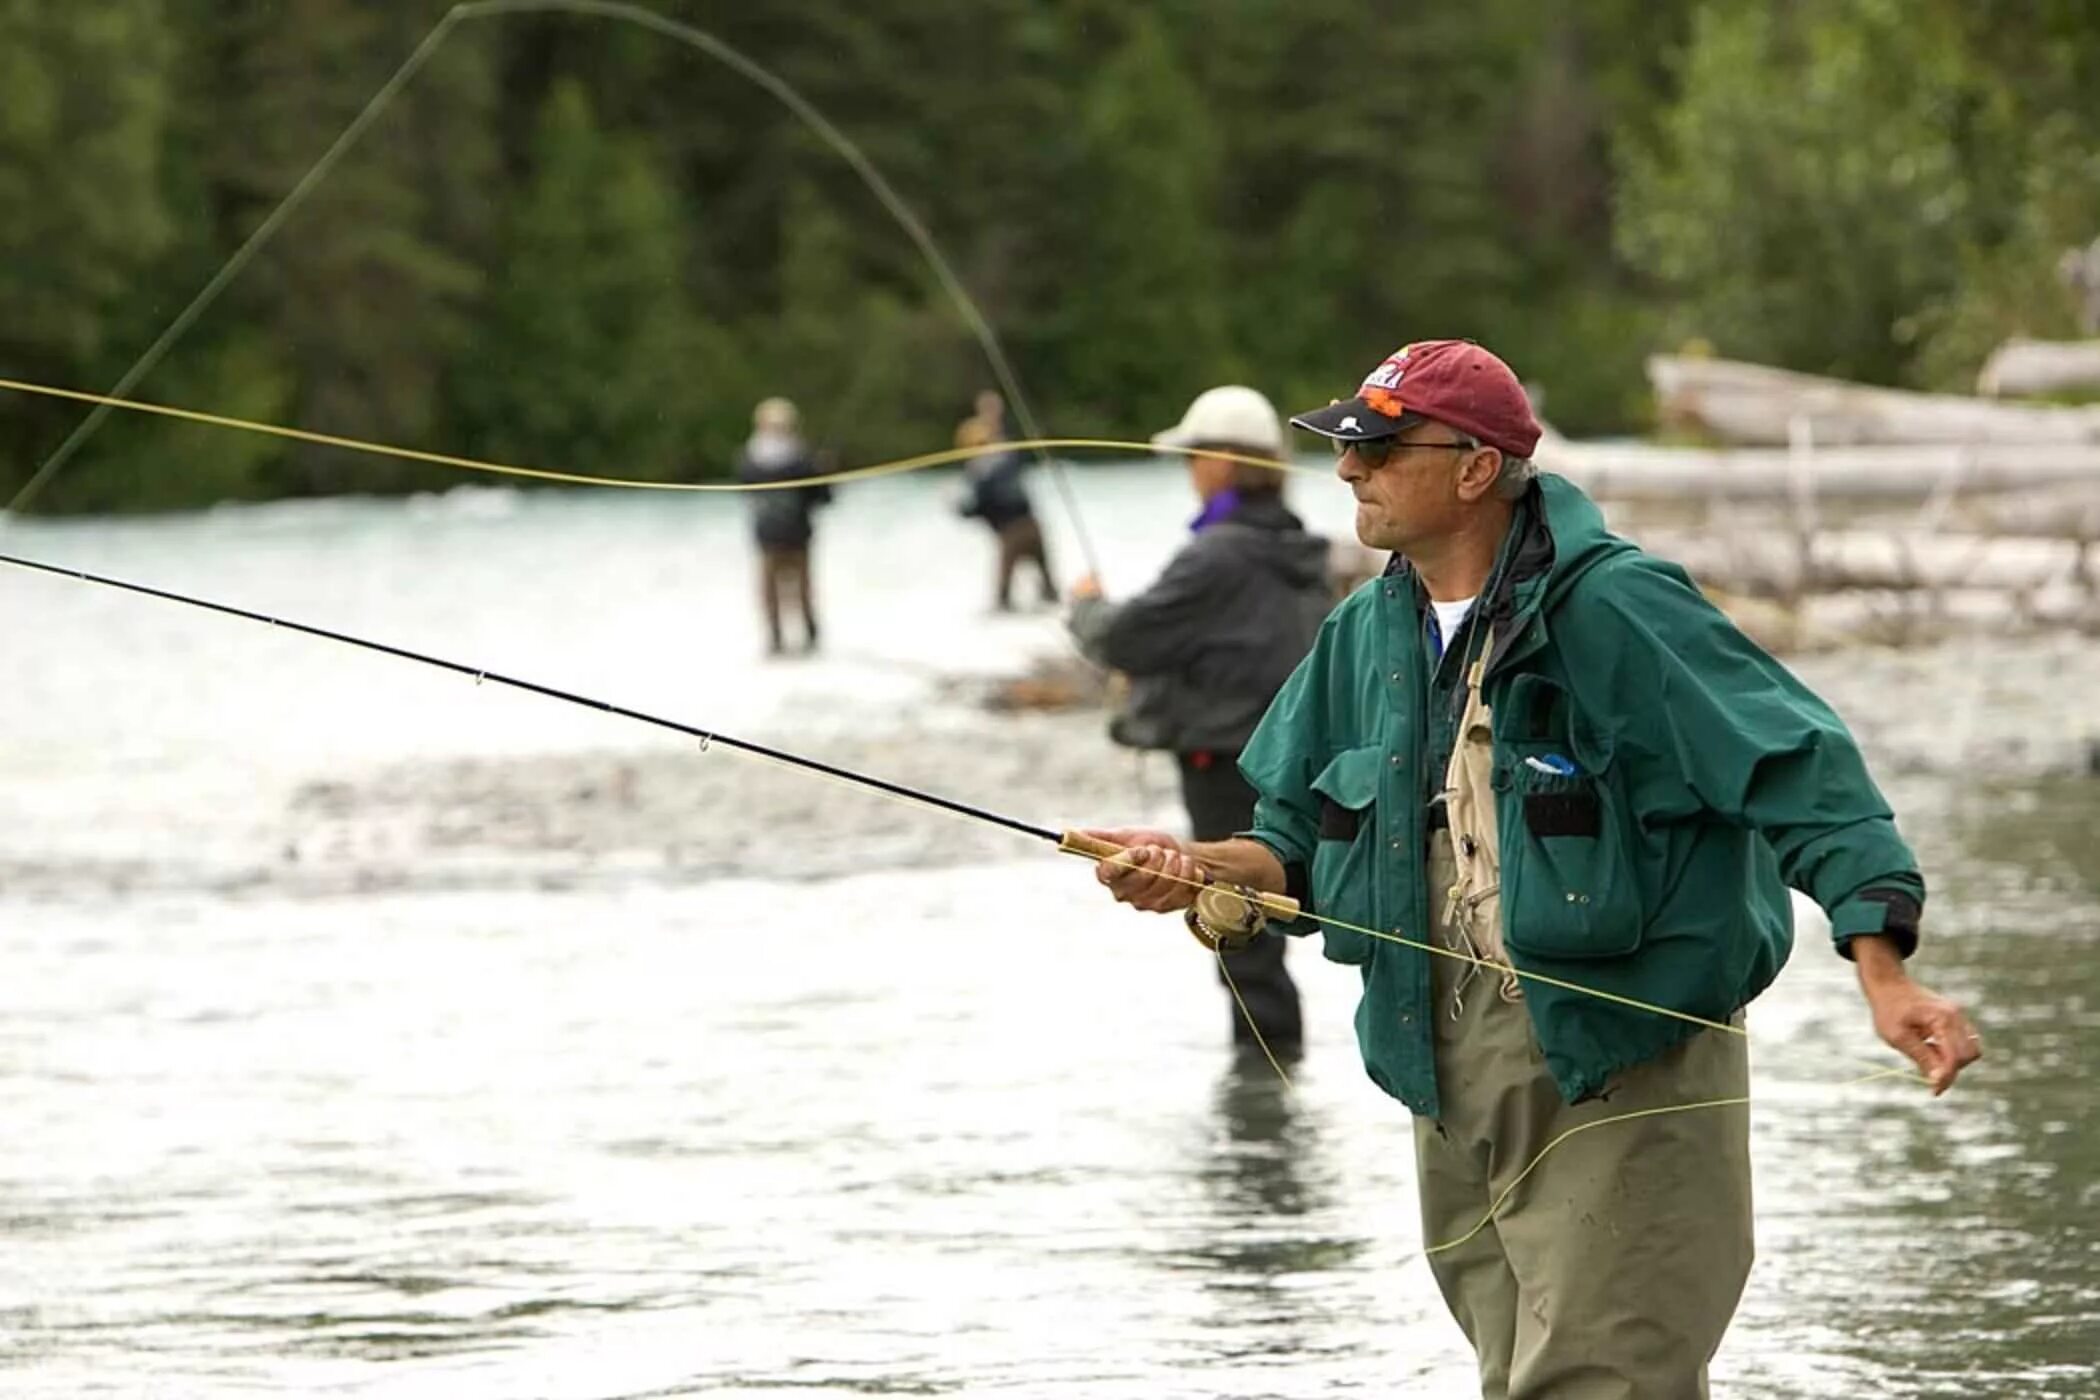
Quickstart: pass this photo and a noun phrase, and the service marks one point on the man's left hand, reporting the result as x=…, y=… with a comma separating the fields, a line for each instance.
x=1914, y=1019
x=1086, y=586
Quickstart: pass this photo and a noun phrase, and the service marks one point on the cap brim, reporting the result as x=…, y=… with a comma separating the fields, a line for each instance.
x=1176, y=436
x=1352, y=420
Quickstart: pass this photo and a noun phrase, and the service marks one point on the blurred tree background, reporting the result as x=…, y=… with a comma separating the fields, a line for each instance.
x=575, y=243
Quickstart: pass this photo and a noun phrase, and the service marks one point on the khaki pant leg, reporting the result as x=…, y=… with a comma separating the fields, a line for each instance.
x=1631, y=1240
x=1479, y=1056
x=1475, y=1277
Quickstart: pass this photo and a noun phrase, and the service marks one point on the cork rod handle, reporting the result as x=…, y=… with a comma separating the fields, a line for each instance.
x=1077, y=843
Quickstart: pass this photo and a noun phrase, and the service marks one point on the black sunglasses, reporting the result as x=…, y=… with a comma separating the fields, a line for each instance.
x=1375, y=452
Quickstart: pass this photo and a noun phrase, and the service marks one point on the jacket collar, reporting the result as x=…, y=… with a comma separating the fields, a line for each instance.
x=1260, y=510
x=1518, y=583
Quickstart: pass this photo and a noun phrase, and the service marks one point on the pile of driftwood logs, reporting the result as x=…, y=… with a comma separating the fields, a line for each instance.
x=1858, y=512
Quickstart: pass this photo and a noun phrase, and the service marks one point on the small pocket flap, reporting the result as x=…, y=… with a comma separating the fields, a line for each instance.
x=1347, y=788
x=1535, y=709
x=1538, y=716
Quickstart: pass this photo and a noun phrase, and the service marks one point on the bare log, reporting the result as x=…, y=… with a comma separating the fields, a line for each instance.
x=2040, y=367
x=1774, y=563
x=1634, y=471
x=1759, y=404
x=2058, y=513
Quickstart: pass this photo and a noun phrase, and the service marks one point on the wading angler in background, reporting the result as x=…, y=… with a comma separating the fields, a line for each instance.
x=782, y=518
x=994, y=492
x=1209, y=644
x=1540, y=750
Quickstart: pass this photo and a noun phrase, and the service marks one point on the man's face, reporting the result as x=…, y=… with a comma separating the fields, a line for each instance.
x=1424, y=489
x=1209, y=475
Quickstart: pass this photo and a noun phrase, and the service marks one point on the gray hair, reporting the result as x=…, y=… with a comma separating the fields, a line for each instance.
x=1516, y=475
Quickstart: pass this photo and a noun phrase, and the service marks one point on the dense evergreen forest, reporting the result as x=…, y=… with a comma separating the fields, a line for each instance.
x=574, y=243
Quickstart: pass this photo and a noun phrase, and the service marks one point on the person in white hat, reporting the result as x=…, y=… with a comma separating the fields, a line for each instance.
x=1212, y=640
x=781, y=516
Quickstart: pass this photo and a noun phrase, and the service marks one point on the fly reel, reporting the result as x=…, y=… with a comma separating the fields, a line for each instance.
x=1226, y=918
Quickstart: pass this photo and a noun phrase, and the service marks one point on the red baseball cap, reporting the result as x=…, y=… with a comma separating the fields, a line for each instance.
x=1454, y=382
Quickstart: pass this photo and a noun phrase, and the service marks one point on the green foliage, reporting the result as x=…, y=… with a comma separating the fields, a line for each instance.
x=79, y=167
x=2010, y=287
x=84, y=105
x=1874, y=189
x=1803, y=198
x=145, y=464
x=1142, y=316
x=584, y=362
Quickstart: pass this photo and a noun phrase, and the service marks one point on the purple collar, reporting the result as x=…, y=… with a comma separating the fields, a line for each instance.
x=1217, y=508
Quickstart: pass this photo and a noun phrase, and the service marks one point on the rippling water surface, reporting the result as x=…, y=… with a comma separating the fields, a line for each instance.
x=366, y=1033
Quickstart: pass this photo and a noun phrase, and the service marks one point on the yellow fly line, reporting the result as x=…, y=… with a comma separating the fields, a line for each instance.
x=1495, y=1207
x=478, y=464
x=1878, y=1072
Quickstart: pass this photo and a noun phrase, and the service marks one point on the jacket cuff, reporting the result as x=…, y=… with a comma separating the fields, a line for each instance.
x=1884, y=909
x=1297, y=884
x=1086, y=620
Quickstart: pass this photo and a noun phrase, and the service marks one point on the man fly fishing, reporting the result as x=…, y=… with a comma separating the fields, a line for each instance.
x=1541, y=752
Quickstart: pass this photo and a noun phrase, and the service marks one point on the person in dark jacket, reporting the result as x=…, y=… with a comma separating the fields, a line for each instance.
x=781, y=516
x=1211, y=641
x=994, y=492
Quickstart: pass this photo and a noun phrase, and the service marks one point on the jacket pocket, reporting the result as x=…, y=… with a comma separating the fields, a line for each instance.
x=1344, y=866
x=1568, y=883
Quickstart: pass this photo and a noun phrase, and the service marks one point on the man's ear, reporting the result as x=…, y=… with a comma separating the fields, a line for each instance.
x=1479, y=473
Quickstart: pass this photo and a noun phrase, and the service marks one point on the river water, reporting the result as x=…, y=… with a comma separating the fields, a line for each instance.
x=366, y=1032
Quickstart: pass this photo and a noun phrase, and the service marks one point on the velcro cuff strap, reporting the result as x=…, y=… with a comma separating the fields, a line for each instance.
x=1891, y=912
x=1338, y=823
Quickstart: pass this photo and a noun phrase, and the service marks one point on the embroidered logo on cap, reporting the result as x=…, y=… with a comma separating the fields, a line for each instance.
x=1390, y=371
x=1349, y=424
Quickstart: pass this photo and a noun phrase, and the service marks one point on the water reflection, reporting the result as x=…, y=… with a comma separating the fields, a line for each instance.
x=1994, y=1196
x=1258, y=1169
x=1268, y=1234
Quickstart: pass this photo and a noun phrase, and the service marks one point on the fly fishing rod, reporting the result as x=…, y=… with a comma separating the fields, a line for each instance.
x=1226, y=915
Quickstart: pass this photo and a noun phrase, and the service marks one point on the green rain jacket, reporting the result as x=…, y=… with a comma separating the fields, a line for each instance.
x=1684, y=780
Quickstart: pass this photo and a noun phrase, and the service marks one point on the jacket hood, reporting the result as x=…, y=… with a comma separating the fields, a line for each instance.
x=1274, y=538
x=1575, y=532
